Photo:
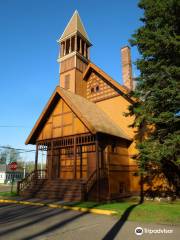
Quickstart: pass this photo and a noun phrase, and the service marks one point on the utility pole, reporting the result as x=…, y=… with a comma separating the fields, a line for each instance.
x=24, y=168
x=41, y=163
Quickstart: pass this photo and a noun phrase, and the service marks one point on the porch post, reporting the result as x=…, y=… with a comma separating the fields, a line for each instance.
x=109, y=185
x=97, y=168
x=81, y=175
x=102, y=158
x=75, y=157
x=36, y=157
x=51, y=161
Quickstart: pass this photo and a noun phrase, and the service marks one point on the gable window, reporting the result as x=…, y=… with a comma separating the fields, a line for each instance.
x=97, y=88
x=67, y=81
x=92, y=90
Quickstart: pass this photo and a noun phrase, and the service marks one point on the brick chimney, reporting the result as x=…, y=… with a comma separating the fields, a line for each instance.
x=127, y=67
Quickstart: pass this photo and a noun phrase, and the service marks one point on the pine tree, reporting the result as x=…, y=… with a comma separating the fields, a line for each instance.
x=157, y=113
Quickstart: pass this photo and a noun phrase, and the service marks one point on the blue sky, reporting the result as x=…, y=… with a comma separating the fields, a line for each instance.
x=28, y=52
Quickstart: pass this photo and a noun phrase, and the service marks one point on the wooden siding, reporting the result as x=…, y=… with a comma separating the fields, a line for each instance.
x=115, y=109
x=80, y=65
x=73, y=68
x=71, y=75
x=80, y=84
x=105, y=90
x=67, y=64
x=62, y=122
x=122, y=171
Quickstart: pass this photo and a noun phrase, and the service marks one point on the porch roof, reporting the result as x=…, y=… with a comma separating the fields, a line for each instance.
x=95, y=119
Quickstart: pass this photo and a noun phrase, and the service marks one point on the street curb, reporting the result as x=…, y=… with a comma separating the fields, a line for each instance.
x=51, y=205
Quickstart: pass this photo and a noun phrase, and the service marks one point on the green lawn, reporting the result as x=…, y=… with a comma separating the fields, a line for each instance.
x=147, y=212
x=156, y=212
x=8, y=194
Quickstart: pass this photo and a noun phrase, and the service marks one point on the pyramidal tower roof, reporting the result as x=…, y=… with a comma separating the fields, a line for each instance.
x=75, y=25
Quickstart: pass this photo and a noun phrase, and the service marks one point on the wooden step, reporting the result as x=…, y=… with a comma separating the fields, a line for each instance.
x=69, y=190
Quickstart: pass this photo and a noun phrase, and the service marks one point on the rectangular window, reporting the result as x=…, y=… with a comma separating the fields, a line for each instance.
x=82, y=46
x=78, y=43
x=67, y=81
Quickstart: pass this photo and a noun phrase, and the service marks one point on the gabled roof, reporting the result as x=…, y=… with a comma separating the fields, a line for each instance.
x=75, y=25
x=95, y=119
x=92, y=67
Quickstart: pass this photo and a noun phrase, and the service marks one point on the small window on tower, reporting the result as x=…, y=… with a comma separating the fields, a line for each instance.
x=67, y=81
x=78, y=43
x=73, y=44
x=67, y=46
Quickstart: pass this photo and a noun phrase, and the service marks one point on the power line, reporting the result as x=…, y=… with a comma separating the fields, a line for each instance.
x=18, y=149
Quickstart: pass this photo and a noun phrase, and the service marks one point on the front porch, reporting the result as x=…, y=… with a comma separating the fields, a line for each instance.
x=83, y=166
x=74, y=159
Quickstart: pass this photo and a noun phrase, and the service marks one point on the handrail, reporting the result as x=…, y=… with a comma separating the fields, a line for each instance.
x=27, y=181
x=103, y=173
x=91, y=181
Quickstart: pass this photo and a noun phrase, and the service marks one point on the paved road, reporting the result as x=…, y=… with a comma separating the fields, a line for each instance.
x=22, y=222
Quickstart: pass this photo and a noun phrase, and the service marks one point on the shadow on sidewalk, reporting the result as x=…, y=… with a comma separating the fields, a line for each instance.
x=117, y=227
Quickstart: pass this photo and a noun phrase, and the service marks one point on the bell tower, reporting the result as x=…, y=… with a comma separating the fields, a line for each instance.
x=74, y=55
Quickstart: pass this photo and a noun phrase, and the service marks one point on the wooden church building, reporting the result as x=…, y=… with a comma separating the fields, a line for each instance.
x=83, y=130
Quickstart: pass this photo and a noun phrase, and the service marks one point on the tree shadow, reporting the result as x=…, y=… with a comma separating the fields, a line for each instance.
x=41, y=216
x=117, y=227
x=58, y=225
x=38, y=217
